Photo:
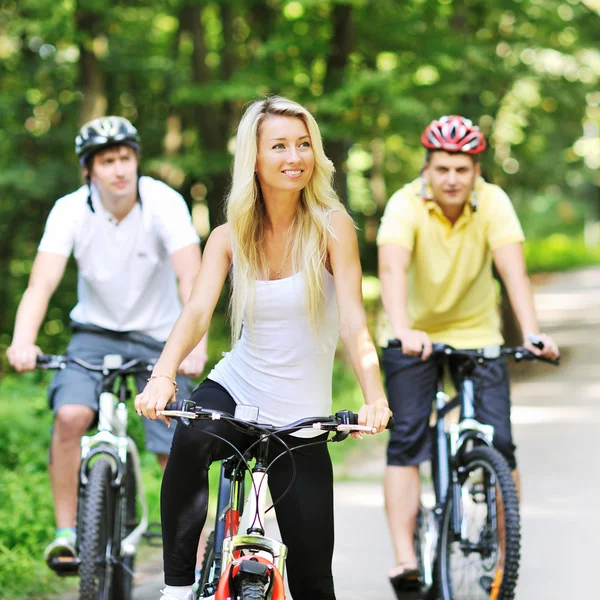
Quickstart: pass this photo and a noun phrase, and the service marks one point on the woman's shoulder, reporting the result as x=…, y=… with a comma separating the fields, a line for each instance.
x=339, y=219
x=221, y=236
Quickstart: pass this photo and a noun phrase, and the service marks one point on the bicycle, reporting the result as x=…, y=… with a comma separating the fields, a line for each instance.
x=111, y=493
x=240, y=561
x=468, y=542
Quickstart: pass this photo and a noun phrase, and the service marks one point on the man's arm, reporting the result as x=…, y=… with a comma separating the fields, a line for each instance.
x=186, y=264
x=510, y=263
x=394, y=262
x=46, y=273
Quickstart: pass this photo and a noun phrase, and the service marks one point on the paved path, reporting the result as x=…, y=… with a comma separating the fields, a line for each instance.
x=557, y=418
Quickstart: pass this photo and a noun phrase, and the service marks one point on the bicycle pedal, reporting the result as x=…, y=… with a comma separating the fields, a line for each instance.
x=65, y=566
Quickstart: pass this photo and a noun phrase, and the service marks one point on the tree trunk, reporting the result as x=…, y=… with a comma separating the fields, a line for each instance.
x=208, y=119
x=92, y=78
x=341, y=46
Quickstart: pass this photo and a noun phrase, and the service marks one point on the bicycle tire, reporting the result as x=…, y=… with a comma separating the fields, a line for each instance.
x=252, y=588
x=95, y=544
x=207, y=562
x=123, y=573
x=500, y=479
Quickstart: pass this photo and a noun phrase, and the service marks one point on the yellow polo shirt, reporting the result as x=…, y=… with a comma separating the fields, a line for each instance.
x=452, y=295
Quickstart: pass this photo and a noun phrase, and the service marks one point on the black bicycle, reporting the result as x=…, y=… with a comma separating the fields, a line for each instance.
x=240, y=561
x=468, y=539
x=112, y=514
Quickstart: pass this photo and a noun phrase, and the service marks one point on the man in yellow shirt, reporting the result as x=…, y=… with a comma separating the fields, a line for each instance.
x=437, y=240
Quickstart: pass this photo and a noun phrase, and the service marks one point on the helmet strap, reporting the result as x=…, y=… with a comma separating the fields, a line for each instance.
x=424, y=189
x=88, y=180
x=474, y=200
x=139, y=196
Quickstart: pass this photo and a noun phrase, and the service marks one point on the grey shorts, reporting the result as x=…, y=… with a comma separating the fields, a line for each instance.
x=75, y=385
x=412, y=384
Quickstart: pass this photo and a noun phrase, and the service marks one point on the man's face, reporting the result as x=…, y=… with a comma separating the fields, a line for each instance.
x=451, y=177
x=114, y=171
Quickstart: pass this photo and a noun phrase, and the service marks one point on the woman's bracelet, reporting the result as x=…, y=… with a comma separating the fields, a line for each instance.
x=155, y=375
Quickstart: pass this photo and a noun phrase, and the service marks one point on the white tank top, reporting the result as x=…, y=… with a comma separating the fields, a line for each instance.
x=282, y=365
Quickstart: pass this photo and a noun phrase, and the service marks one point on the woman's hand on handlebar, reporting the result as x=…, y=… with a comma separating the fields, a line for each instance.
x=374, y=415
x=157, y=393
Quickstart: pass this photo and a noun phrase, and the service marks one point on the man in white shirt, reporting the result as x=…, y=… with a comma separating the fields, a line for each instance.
x=137, y=254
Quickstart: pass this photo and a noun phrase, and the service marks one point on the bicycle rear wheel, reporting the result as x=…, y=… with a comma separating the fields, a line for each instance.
x=96, y=537
x=482, y=561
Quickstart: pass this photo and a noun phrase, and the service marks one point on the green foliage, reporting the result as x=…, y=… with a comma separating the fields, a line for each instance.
x=559, y=252
x=26, y=513
x=374, y=76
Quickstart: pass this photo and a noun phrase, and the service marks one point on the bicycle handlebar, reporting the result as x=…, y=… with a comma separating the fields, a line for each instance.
x=49, y=362
x=342, y=421
x=486, y=353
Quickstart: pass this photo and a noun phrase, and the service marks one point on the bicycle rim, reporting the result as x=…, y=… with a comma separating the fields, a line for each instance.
x=482, y=562
x=96, y=543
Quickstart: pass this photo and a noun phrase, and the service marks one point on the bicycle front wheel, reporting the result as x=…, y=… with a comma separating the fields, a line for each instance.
x=478, y=557
x=96, y=536
x=252, y=588
x=123, y=573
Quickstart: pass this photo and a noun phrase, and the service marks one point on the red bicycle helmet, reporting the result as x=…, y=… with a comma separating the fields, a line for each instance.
x=453, y=134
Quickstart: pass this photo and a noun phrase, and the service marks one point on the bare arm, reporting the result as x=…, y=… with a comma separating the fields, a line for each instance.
x=46, y=273
x=192, y=324
x=510, y=262
x=186, y=264
x=394, y=262
x=345, y=263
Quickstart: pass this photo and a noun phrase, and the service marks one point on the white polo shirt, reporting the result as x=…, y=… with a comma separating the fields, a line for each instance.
x=125, y=278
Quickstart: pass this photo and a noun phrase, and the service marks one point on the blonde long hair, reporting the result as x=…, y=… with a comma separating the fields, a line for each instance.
x=246, y=214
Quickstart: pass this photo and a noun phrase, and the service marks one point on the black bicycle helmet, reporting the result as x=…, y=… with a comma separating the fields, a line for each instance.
x=102, y=133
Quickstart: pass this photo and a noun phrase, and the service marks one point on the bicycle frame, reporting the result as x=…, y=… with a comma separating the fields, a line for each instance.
x=450, y=443
x=247, y=551
x=250, y=536
x=110, y=441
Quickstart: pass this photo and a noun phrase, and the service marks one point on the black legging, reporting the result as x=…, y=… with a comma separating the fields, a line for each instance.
x=304, y=515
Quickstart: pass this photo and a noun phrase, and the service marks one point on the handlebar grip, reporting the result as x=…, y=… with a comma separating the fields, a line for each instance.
x=185, y=405
x=50, y=361
x=351, y=418
x=536, y=341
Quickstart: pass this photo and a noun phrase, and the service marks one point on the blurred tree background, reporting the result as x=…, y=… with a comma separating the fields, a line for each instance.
x=374, y=73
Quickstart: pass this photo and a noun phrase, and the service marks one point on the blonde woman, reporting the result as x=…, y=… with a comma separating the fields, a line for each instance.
x=293, y=255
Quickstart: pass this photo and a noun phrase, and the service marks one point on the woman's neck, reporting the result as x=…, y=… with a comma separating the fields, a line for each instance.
x=281, y=212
